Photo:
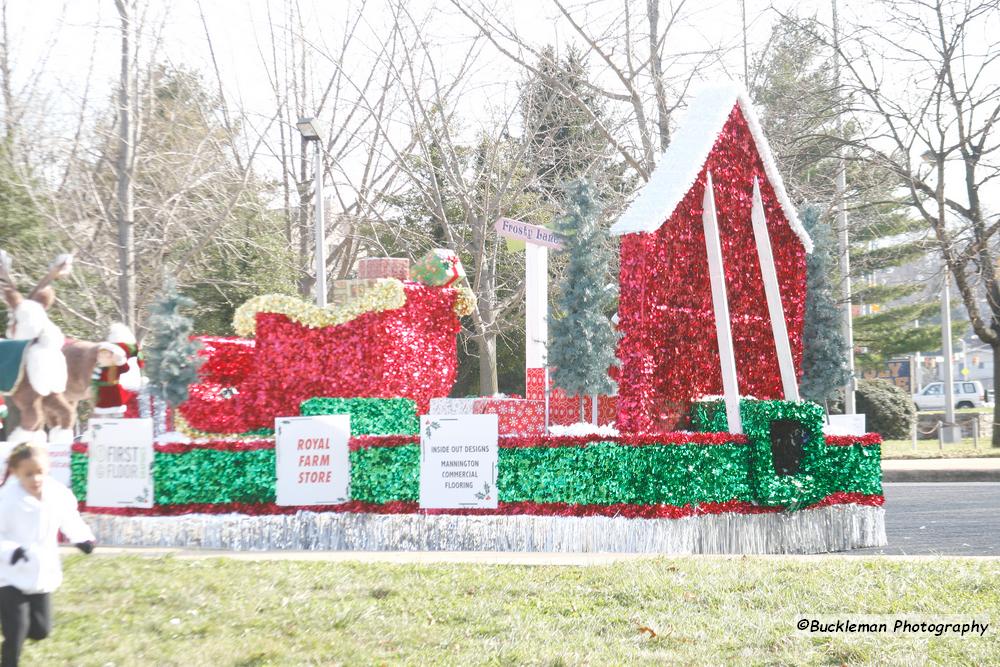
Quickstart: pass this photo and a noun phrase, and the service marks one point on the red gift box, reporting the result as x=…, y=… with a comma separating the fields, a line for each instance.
x=515, y=416
x=534, y=385
x=384, y=267
x=345, y=291
x=566, y=411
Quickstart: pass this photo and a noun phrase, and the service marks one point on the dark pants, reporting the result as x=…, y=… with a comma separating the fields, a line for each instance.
x=22, y=616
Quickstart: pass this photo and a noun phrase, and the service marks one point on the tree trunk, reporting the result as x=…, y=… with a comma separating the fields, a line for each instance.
x=656, y=71
x=996, y=386
x=123, y=167
x=487, y=345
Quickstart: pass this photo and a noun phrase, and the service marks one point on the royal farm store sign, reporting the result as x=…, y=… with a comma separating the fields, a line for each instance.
x=312, y=463
x=458, y=461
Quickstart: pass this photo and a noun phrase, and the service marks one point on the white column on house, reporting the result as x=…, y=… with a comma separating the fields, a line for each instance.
x=772, y=291
x=720, y=302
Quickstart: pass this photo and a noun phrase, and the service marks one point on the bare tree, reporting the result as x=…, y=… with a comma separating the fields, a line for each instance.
x=923, y=83
x=310, y=76
x=642, y=78
x=460, y=179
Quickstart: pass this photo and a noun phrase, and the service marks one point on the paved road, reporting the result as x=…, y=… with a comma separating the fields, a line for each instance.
x=954, y=519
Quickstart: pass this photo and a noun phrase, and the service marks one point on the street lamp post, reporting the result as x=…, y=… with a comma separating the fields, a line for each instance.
x=310, y=134
x=949, y=432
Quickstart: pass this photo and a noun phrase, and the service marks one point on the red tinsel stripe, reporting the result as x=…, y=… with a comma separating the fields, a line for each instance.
x=632, y=440
x=226, y=446
x=624, y=510
x=847, y=440
x=505, y=442
x=363, y=441
x=850, y=498
x=184, y=448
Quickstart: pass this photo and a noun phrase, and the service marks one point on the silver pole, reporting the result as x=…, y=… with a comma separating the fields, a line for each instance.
x=845, y=257
x=949, y=376
x=320, y=229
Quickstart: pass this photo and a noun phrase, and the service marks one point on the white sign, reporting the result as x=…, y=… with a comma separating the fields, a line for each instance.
x=312, y=463
x=119, y=468
x=59, y=458
x=522, y=231
x=5, y=448
x=845, y=425
x=458, y=461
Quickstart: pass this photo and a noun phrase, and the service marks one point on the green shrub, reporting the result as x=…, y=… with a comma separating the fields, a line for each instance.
x=889, y=410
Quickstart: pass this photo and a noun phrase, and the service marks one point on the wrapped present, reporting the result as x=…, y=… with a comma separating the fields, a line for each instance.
x=534, y=383
x=515, y=416
x=345, y=291
x=384, y=267
x=438, y=268
x=452, y=406
x=566, y=410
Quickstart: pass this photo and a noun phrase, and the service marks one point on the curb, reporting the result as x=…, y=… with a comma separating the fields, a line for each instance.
x=942, y=476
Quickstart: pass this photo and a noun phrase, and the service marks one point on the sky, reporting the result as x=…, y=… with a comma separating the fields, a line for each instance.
x=71, y=36
x=59, y=46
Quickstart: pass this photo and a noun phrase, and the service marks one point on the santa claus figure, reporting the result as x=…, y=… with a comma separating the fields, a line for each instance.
x=117, y=376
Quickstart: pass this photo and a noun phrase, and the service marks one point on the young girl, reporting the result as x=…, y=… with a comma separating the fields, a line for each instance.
x=33, y=509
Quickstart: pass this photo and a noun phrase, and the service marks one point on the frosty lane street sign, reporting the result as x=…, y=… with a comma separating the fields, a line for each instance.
x=522, y=231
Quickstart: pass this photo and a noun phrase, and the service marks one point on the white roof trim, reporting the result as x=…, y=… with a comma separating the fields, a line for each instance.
x=686, y=155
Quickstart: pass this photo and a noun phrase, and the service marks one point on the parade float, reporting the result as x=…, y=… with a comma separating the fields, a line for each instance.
x=712, y=299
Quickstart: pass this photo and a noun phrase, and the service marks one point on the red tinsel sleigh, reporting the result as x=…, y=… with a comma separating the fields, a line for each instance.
x=407, y=352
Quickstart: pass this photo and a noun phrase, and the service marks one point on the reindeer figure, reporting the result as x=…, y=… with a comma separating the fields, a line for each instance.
x=41, y=388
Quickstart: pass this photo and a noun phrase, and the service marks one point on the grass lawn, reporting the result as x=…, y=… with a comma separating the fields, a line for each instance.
x=129, y=610
x=931, y=449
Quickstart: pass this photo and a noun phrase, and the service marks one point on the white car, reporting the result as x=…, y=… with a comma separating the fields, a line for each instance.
x=968, y=394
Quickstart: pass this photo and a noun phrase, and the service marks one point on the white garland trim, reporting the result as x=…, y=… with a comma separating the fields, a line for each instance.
x=833, y=528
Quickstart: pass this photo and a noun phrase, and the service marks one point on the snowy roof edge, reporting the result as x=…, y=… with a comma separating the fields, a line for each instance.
x=680, y=164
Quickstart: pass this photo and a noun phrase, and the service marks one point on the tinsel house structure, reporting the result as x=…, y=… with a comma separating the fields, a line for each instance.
x=669, y=307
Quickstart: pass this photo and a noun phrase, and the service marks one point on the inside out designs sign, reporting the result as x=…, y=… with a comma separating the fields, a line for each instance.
x=120, y=463
x=458, y=461
x=312, y=462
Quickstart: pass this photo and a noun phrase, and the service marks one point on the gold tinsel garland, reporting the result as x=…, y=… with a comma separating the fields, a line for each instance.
x=387, y=294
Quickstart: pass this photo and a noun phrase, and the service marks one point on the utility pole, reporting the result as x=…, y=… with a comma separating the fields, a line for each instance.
x=845, y=250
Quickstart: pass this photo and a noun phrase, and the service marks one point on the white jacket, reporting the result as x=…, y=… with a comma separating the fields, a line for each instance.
x=26, y=521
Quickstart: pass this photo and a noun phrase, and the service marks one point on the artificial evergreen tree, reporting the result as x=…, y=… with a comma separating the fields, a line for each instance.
x=582, y=340
x=172, y=357
x=824, y=352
